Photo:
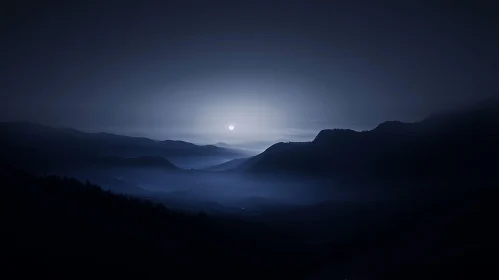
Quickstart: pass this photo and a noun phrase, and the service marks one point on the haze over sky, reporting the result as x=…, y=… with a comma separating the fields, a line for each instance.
x=277, y=70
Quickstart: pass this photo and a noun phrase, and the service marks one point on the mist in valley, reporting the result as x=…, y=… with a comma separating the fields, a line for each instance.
x=236, y=192
x=250, y=139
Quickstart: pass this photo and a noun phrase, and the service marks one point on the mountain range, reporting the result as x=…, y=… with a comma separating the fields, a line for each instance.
x=23, y=143
x=441, y=229
x=462, y=142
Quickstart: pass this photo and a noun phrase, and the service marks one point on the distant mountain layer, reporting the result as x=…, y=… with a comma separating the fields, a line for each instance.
x=146, y=161
x=222, y=145
x=229, y=165
x=24, y=143
x=454, y=143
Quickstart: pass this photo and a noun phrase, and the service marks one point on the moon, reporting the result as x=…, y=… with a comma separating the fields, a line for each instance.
x=231, y=127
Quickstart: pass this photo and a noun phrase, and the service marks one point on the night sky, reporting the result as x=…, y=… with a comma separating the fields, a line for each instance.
x=276, y=70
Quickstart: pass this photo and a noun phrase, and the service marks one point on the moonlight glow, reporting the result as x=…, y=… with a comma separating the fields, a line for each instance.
x=231, y=127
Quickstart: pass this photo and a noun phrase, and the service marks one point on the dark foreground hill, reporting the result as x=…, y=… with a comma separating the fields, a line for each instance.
x=60, y=228
x=67, y=229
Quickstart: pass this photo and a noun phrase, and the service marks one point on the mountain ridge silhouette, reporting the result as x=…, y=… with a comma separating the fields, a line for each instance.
x=26, y=143
x=454, y=142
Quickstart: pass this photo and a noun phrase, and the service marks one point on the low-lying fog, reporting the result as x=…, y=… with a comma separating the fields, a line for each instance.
x=211, y=191
x=322, y=211
x=199, y=162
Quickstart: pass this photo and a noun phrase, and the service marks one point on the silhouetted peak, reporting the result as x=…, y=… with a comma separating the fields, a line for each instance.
x=331, y=135
x=222, y=144
x=486, y=111
x=389, y=125
x=396, y=127
x=213, y=147
x=276, y=147
x=282, y=146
